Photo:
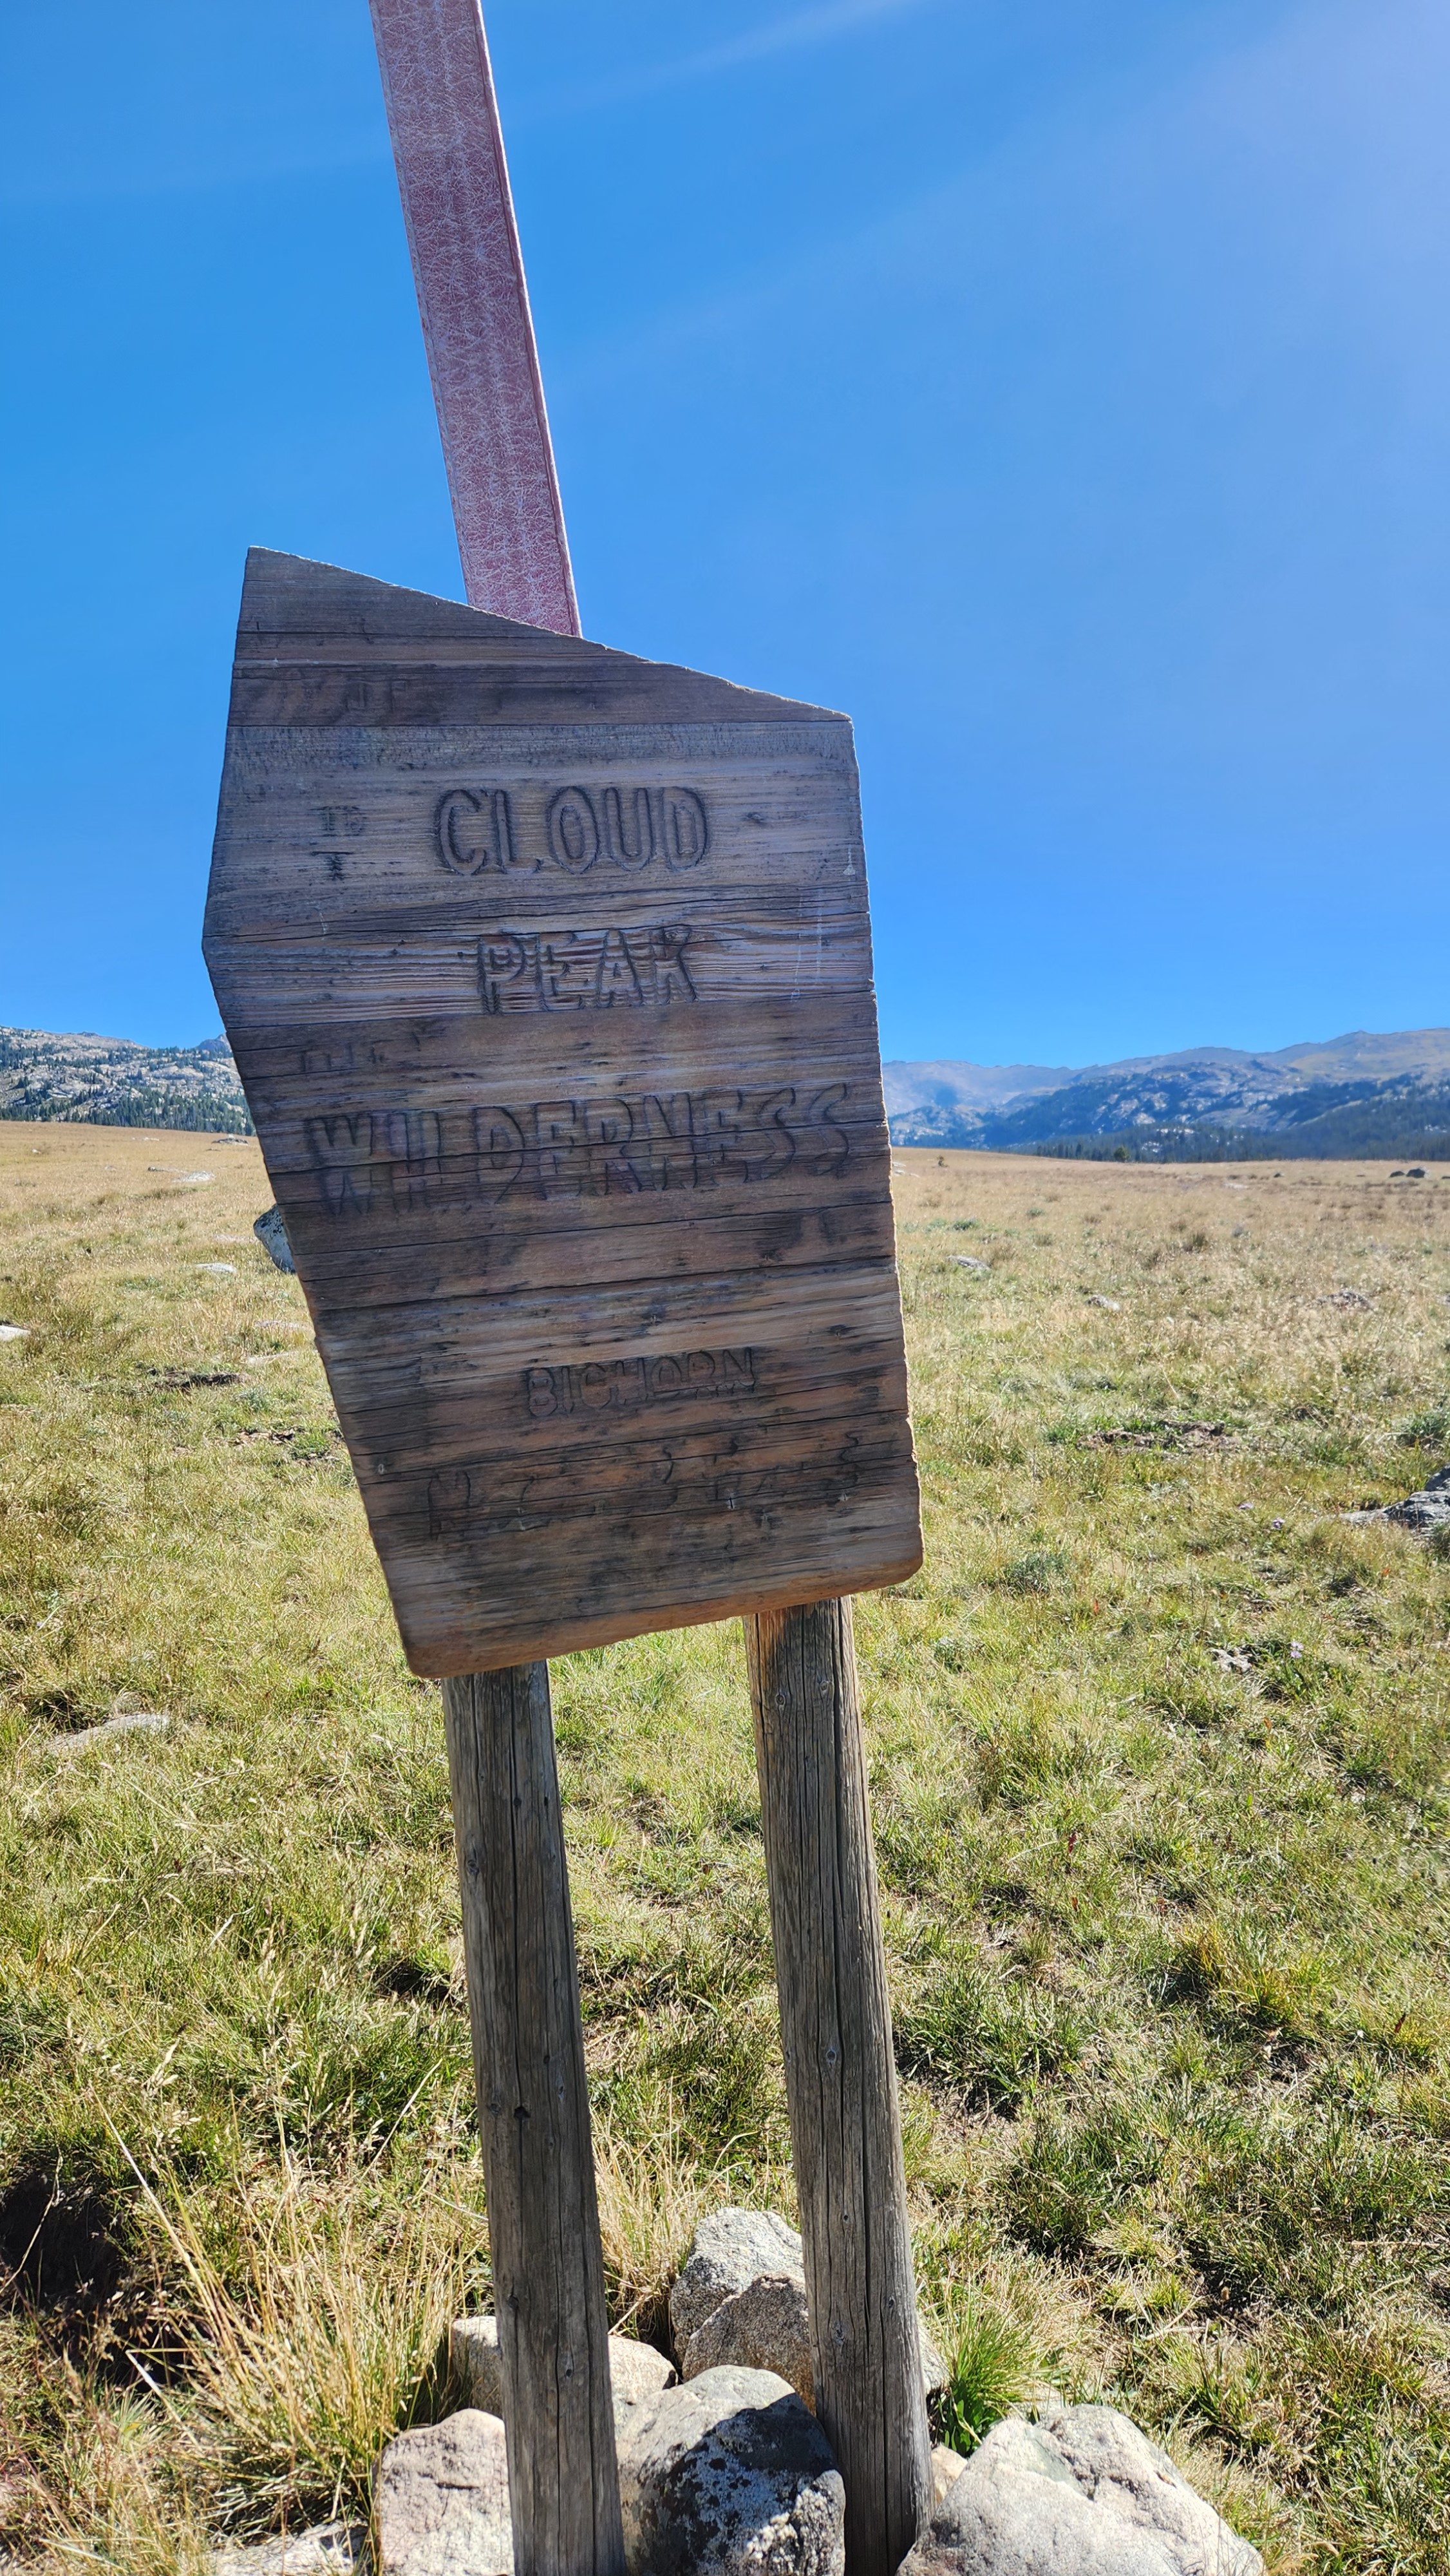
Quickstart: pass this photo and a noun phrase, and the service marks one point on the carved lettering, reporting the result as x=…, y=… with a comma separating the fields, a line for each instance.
x=449, y=1493
x=615, y=979
x=415, y=1148
x=692, y=1472
x=632, y=968
x=619, y=1386
x=337, y=826
x=573, y=831
x=342, y=1149
x=513, y=830
x=628, y=819
x=476, y=831
x=686, y=833
x=498, y=1143
x=575, y=1149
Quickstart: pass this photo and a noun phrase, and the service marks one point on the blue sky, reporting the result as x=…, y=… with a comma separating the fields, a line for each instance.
x=1061, y=386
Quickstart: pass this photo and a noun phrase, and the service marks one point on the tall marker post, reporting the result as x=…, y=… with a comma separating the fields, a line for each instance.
x=416, y=1199
x=523, y=1978
x=830, y=1962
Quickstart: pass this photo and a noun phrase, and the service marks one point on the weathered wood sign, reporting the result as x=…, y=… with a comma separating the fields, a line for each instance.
x=548, y=974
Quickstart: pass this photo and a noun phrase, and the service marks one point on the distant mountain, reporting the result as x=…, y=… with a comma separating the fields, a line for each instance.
x=966, y=1086
x=1362, y=1095
x=113, y=1082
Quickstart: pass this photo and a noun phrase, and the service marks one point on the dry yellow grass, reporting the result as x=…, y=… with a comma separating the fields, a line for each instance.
x=1158, y=1755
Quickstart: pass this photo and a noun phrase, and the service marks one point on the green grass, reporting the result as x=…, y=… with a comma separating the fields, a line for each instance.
x=1158, y=1748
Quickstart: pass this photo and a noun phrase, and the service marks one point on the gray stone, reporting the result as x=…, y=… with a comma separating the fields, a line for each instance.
x=330, y=2549
x=635, y=2369
x=740, y=2303
x=1429, y=1509
x=945, y=2465
x=729, y=2475
x=765, y=2326
x=141, y=1721
x=442, y=2500
x=1080, y=2493
x=732, y=2248
x=271, y=1232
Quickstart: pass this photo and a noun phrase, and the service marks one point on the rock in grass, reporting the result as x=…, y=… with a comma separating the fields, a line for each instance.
x=1080, y=2493
x=1423, y=1512
x=635, y=2369
x=740, y=2303
x=140, y=1721
x=271, y=1233
x=729, y=2475
x=1429, y=1508
x=442, y=2498
x=330, y=2549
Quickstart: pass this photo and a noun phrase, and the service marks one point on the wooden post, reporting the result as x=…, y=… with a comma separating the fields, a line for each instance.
x=523, y=1989
x=469, y=272
x=533, y=2111
x=518, y=1932
x=840, y=2076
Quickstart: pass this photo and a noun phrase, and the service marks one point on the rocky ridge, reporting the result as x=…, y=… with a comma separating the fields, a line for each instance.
x=115, y=1082
x=1361, y=1094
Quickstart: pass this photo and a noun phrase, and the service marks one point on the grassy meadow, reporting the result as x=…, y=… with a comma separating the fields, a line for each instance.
x=1158, y=1747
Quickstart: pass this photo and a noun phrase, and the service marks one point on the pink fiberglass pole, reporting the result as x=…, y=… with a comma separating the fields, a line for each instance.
x=454, y=183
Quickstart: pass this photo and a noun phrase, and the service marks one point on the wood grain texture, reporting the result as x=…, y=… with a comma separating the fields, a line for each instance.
x=548, y=973
x=469, y=272
x=840, y=2075
x=533, y=2110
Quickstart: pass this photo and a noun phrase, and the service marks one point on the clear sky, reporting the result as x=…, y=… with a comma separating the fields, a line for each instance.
x=1060, y=386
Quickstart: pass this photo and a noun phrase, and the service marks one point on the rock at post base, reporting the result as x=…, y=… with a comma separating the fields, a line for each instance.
x=729, y=2475
x=765, y=2326
x=442, y=2498
x=1080, y=2493
x=635, y=2369
x=330, y=2549
x=732, y=2248
x=740, y=2303
x=945, y=2465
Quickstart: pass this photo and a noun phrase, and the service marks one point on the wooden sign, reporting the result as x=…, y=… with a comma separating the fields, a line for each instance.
x=548, y=974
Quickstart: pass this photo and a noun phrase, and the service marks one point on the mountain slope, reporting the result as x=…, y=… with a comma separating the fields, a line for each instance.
x=966, y=1086
x=113, y=1082
x=1391, y=1089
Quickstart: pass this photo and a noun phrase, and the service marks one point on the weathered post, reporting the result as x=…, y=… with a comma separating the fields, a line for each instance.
x=840, y=2077
x=548, y=975
x=469, y=272
x=533, y=2111
x=518, y=1933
